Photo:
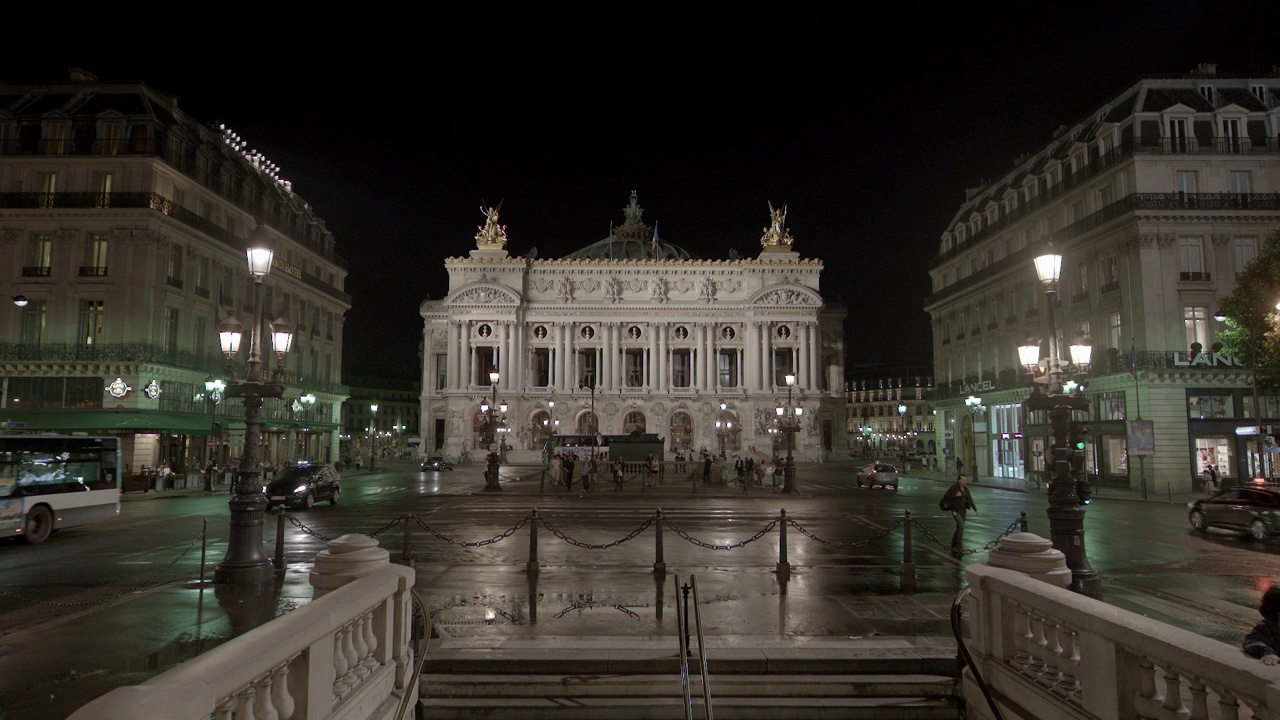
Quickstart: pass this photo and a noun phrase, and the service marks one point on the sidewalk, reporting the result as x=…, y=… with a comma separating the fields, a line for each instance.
x=1155, y=493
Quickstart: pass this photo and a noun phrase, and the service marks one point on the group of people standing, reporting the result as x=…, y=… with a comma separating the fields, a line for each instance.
x=565, y=466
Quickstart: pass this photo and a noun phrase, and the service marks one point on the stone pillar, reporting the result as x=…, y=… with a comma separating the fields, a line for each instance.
x=471, y=355
x=815, y=357
x=451, y=359
x=802, y=365
x=700, y=357
x=347, y=558
x=1033, y=555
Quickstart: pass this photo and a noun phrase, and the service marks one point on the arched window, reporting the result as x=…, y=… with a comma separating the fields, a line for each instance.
x=681, y=432
x=728, y=430
x=540, y=429
x=633, y=422
x=585, y=423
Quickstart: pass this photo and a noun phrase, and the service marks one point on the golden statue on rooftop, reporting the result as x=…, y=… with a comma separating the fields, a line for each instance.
x=777, y=236
x=492, y=236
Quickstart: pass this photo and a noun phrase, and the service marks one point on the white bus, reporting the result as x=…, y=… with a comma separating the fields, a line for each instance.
x=49, y=482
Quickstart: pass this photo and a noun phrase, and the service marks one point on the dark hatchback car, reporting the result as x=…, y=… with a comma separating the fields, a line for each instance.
x=437, y=462
x=1252, y=510
x=303, y=486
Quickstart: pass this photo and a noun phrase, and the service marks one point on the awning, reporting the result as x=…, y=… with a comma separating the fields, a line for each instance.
x=103, y=420
x=299, y=425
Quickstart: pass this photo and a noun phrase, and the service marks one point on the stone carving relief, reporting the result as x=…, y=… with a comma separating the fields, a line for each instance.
x=658, y=290
x=636, y=285
x=138, y=235
x=64, y=235
x=9, y=236
x=482, y=296
x=707, y=290
x=455, y=421
x=612, y=289
x=589, y=285
x=682, y=285
x=786, y=296
x=611, y=409
x=564, y=288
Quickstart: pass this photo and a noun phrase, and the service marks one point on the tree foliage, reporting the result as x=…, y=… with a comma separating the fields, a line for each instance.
x=1252, y=315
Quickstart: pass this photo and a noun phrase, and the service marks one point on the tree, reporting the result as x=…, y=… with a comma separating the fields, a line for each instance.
x=1253, y=322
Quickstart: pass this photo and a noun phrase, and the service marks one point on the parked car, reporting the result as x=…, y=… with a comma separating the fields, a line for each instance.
x=437, y=462
x=878, y=475
x=304, y=485
x=1252, y=510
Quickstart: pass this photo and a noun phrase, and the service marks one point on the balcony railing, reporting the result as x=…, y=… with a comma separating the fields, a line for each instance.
x=173, y=282
x=36, y=271
x=92, y=271
x=1195, y=276
x=153, y=201
x=154, y=353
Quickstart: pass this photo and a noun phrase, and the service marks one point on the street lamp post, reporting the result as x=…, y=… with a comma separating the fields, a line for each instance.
x=245, y=562
x=788, y=420
x=307, y=402
x=373, y=437
x=1066, y=511
x=213, y=388
x=493, y=459
x=595, y=426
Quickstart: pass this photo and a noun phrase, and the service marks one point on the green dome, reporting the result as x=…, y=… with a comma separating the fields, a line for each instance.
x=629, y=249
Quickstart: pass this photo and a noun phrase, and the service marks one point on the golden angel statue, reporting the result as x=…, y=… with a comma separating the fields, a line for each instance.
x=491, y=233
x=777, y=233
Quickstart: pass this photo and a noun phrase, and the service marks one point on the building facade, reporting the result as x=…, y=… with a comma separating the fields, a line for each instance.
x=1155, y=200
x=392, y=430
x=122, y=225
x=891, y=416
x=633, y=334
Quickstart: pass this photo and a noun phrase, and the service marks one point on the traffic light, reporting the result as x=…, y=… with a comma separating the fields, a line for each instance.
x=1079, y=443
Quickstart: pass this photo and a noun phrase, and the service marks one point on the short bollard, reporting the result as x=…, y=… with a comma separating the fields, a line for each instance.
x=784, y=567
x=659, y=564
x=532, y=565
x=1023, y=522
x=405, y=555
x=907, y=564
x=279, y=561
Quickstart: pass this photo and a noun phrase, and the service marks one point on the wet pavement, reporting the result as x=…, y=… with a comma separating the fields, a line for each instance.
x=50, y=668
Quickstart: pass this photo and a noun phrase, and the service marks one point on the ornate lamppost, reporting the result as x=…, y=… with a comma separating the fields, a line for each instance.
x=245, y=562
x=213, y=388
x=788, y=422
x=373, y=436
x=306, y=402
x=493, y=459
x=1066, y=506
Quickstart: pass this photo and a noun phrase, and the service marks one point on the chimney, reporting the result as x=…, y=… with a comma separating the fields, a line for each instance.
x=81, y=76
x=1205, y=70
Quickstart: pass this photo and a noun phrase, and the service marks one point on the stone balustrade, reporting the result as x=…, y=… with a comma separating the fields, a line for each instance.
x=1047, y=653
x=346, y=655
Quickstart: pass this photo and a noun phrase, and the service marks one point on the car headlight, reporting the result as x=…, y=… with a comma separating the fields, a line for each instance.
x=300, y=489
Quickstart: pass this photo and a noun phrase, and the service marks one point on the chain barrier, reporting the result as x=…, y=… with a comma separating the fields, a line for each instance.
x=589, y=605
x=856, y=544
x=594, y=546
x=151, y=580
x=1013, y=527
x=764, y=531
x=473, y=543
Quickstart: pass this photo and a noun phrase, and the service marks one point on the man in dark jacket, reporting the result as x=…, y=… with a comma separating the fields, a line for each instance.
x=1263, y=641
x=960, y=502
x=706, y=468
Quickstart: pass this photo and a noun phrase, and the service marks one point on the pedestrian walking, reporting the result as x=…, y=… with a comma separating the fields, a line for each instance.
x=959, y=467
x=557, y=468
x=958, y=501
x=588, y=466
x=759, y=475
x=568, y=472
x=706, y=468
x=1263, y=641
x=651, y=471
x=1210, y=479
x=777, y=475
x=617, y=475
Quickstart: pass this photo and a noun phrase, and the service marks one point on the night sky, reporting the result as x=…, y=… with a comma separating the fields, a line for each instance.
x=869, y=133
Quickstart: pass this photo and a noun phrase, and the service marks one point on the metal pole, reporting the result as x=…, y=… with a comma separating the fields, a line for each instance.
x=204, y=542
x=405, y=555
x=279, y=561
x=245, y=561
x=659, y=564
x=687, y=649
x=783, y=567
x=907, y=564
x=532, y=565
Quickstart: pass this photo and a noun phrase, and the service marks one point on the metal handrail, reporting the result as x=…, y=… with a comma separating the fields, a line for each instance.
x=422, y=653
x=702, y=655
x=681, y=624
x=968, y=659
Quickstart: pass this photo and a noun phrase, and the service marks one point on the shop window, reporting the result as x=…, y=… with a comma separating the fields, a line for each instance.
x=1208, y=407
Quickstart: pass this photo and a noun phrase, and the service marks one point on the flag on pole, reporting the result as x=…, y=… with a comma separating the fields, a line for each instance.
x=1133, y=359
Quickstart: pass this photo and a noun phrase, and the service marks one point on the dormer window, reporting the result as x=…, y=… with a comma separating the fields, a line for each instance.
x=1207, y=92
x=1259, y=91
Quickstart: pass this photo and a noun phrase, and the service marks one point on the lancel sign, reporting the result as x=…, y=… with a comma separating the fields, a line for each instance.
x=1206, y=360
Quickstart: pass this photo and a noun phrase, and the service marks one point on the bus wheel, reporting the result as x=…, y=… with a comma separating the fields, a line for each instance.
x=39, y=525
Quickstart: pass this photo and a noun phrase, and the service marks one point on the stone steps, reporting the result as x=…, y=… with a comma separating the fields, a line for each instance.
x=745, y=685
